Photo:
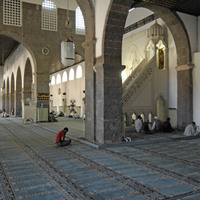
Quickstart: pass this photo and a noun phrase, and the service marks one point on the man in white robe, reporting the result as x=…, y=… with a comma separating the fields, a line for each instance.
x=138, y=124
x=190, y=130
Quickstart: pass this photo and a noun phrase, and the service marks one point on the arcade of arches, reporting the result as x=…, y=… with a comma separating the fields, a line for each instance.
x=163, y=51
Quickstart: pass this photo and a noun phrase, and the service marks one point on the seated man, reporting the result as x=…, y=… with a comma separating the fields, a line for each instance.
x=190, y=130
x=167, y=128
x=157, y=124
x=60, y=138
x=138, y=124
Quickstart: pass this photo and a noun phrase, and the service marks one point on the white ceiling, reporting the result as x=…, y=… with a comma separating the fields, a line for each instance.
x=65, y=4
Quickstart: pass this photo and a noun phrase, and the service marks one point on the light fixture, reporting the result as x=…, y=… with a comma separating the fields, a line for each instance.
x=67, y=46
x=67, y=52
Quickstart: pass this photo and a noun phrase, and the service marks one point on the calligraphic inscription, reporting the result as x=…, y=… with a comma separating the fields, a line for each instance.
x=43, y=96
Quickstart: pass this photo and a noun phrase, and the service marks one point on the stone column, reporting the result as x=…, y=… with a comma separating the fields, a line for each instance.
x=4, y=101
x=10, y=103
x=7, y=102
x=18, y=104
x=185, y=96
x=109, y=117
x=89, y=90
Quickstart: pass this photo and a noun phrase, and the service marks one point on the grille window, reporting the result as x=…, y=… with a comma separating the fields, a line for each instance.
x=80, y=23
x=49, y=15
x=12, y=12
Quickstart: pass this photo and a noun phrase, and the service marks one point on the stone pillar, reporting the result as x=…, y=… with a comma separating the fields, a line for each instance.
x=10, y=103
x=7, y=102
x=109, y=117
x=4, y=101
x=185, y=96
x=18, y=104
x=90, y=122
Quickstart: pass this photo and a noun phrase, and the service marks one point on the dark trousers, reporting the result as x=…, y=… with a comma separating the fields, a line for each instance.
x=63, y=143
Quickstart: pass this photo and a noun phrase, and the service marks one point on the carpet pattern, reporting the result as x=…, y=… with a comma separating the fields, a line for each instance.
x=33, y=168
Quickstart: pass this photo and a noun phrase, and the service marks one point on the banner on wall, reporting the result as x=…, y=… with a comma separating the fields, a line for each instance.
x=43, y=96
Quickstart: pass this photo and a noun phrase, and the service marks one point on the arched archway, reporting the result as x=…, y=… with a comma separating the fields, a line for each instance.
x=3, y=96
x=12, y=93
x=7, y=95
x=18, y=96
x=87, y=9
x=28, y=81
x=112, y=47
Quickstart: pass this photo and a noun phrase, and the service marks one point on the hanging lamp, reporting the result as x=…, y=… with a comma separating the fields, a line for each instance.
x=67, y=46
x=67, y=52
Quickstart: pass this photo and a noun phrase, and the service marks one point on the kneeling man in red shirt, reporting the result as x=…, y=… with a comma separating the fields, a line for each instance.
x=60, y=138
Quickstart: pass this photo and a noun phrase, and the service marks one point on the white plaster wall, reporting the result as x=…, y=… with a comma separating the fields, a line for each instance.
x=101, y=9
x=196, y=88
x=73, y=89
x=136, y=15
x=18, y=59
x=191, y=23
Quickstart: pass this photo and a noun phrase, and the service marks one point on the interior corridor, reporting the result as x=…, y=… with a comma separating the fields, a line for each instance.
x=161, y=166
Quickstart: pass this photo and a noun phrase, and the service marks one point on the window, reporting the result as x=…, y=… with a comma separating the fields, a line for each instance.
x=58, y=79
x=80, y=24
x=49, y=15
x=53, y=81
x=12, y=12
x=79, y=72
x=64, y=76
x=71, y=74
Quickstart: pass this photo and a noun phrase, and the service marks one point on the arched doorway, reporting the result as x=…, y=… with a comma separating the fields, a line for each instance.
x=28, y=81
x=12, y=94
x=7, y=95
x=87, y=9
x=112, y=60
x=18, y=94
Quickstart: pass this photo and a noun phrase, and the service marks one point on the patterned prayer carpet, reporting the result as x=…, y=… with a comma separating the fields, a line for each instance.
x=33, y=168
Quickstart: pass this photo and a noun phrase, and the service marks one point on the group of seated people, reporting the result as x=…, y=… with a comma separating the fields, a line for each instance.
x=157, y=126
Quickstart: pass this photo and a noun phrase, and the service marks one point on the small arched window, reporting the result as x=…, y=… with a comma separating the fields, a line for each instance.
x=49, y=15
x=80, y=23
x=64, y=76
x=71, y=74
x=58, y=79
x=53, y=80
x=79, y=72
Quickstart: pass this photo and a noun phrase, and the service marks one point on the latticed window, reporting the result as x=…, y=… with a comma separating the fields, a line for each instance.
x=12, y=12
x=80, y=23
x=49, y=15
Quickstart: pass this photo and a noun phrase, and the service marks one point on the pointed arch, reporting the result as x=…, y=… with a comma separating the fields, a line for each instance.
x=7, y=95
x=12, y=92
x=28, y=80
x=18, y=93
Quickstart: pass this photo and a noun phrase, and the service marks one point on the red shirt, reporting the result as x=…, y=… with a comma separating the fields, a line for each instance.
x=60, y=135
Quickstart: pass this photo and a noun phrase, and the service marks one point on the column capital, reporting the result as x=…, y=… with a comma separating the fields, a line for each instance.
x=184, y=67
x=108, y=67
x=88, y=43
